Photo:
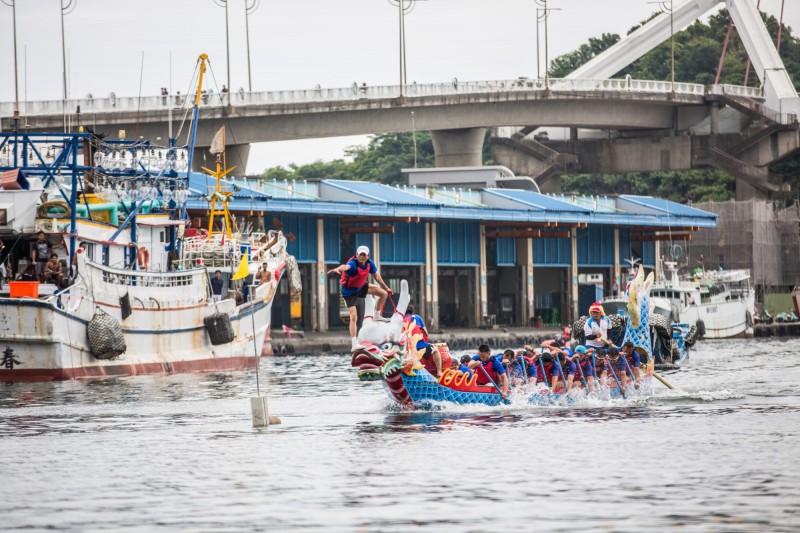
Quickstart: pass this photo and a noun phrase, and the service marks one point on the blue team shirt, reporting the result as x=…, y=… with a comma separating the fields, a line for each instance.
x=515, y=369
x=416, y=319
x=496, y=361
x=568, y=367
x=352, y=270
x=466, y=370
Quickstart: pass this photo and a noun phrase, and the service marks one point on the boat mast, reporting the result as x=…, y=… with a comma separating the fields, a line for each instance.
x=219, y=194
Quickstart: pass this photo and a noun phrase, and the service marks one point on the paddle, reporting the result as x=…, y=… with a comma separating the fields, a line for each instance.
x=583, y=377
x=485, y=373
x=614, y=374
x=664, y=381
x=561, y=371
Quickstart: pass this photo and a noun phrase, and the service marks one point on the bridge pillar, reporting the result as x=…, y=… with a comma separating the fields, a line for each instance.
x=236, y=155
x=459, y=147
x=714, y=118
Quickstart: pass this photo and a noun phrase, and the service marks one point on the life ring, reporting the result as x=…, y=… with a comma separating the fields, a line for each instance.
x=143, y=257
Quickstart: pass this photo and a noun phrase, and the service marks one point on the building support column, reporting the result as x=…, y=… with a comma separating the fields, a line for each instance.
x=322, y=278
x=573, y=282
x=657, y=261
x=433, y=254
x=375, y=254
x=617, y=268
x=458, y=147
x=482, y=309
x=427, y=279
x=525, y=268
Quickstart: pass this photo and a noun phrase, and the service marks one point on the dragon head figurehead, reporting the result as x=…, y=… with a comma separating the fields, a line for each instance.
x=388, y=349
x=638, y=330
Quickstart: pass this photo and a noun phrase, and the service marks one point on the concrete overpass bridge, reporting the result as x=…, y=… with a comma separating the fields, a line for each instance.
x=613, y=125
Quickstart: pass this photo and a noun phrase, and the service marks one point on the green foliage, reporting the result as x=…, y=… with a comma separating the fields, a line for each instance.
x=694, y=185
x=697, y=53
x=563, y=65
x=381, y=160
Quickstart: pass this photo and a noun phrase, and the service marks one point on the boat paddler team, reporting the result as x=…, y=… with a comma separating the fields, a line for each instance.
x=557, y=366
x=355, y=285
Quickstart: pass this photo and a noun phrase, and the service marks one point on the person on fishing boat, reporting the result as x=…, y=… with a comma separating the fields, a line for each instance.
x=584, y=368
x=53, y=272
x=596, y=328
x=40, y=254
x=490, y=369
x=632, y=369
x=355, y=285
x=429, y=353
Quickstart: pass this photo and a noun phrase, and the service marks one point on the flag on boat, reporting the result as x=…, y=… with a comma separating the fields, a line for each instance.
x=218, y=144
x=243, y=270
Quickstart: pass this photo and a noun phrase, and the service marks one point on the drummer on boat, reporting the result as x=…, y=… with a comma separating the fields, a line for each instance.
x=429, y=353
x=596, y=328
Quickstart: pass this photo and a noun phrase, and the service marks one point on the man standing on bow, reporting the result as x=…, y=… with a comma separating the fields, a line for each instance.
x=355, y=285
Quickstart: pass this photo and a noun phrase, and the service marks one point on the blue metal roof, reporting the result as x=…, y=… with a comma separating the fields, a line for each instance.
x=371, y=192
x=346, y=198
x=199, y=183
x=667, y=206
x=537, y=201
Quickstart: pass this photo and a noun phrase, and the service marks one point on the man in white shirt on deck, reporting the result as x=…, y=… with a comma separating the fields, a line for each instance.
x=596, y=328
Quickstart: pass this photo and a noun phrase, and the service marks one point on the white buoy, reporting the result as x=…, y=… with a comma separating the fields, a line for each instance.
x=260, y=410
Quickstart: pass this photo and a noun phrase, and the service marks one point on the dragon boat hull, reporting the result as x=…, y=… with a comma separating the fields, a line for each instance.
x=416, y=388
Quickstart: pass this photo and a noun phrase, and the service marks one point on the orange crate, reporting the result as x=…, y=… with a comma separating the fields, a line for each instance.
x=22, y=289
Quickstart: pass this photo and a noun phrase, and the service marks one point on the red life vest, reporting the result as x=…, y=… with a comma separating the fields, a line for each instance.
x=585, y=367
x=547, y=378
x=482, y=379
x=360, y=279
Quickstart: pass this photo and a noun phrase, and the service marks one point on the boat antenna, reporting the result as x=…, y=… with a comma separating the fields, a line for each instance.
x=139, y=104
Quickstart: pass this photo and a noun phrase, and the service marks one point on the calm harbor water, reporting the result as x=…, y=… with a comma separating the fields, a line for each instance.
x=178, y=452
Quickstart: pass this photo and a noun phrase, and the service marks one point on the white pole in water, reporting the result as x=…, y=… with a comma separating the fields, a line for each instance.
x=258, y=403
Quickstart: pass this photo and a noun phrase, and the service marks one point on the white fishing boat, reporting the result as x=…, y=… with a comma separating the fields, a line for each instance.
x=719, y=303
x=139, y=299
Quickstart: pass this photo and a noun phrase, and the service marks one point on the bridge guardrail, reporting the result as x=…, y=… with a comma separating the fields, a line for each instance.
x=113, y=103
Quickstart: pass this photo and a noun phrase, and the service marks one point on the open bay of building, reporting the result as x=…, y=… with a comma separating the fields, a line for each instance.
x=177, y=452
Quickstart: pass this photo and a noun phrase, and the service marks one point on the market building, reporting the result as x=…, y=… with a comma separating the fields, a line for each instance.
x=472, y=256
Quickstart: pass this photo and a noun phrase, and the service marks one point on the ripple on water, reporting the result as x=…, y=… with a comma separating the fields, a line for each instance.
x=178, y=451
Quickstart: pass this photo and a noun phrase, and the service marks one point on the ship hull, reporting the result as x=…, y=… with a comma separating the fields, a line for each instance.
x=47, y=343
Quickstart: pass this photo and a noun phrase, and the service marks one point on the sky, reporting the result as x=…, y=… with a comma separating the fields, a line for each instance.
x=296, y=44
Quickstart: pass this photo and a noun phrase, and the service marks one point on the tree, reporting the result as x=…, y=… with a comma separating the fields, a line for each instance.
x=697, y=53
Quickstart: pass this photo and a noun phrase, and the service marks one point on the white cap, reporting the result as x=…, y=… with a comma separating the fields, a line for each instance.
x=362, y=250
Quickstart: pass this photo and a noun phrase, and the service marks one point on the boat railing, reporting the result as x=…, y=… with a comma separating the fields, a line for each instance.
x=144, y=278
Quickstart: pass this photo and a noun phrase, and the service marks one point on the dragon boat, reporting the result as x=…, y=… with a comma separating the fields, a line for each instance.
x=387, y=353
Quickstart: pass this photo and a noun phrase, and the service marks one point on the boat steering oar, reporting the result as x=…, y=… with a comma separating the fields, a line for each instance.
x=485, y=373
x=666, y=383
